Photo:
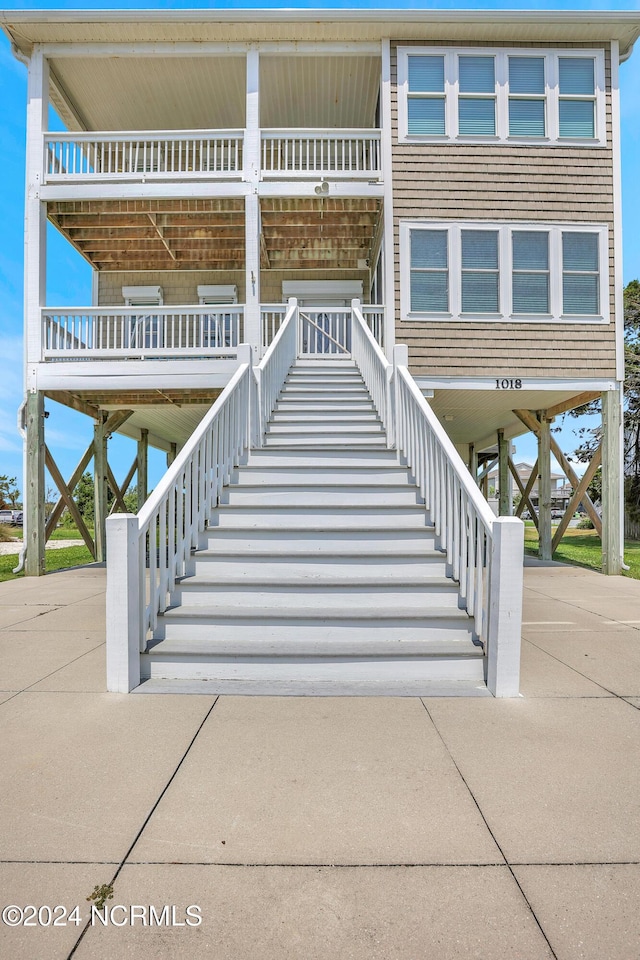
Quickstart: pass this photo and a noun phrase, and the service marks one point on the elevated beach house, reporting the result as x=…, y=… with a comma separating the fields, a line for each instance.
x=340, y=259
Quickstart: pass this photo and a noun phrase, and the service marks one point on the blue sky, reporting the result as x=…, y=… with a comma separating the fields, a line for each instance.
x=69, y=281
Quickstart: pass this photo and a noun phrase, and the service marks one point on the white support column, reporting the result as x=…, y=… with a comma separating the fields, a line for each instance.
x=35, y=250
x=612, y=483
x=252, y=320
x=252, y=167
x=505, y=607
x=544, y=487
x=388, y=262
x=123, y=604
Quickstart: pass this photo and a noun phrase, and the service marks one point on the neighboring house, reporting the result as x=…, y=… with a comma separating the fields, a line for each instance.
x=457, y=172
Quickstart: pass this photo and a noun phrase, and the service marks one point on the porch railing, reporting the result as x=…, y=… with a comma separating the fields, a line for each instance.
x=203, y=154
x=135, y=155
x=111, y=332
x=272, y=316
x=161, y=537
x=318, y=153
x=325, y=330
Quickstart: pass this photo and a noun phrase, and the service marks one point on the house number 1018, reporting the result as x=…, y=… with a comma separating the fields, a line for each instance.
x=508, y=384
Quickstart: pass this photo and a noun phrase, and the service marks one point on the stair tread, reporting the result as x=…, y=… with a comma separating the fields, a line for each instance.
x=219, y=646
x=346, y=612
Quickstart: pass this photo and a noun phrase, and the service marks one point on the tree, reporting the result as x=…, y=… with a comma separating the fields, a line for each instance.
x=590, y=438
x=9, y=493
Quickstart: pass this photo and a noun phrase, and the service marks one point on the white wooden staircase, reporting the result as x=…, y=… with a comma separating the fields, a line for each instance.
x=318, y=533
x=319, y=565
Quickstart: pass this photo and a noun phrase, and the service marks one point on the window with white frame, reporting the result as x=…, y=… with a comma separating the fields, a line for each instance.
x=503, y=271
x=477, y=95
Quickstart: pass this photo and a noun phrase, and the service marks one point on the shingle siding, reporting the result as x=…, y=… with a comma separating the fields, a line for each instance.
x=504, y=183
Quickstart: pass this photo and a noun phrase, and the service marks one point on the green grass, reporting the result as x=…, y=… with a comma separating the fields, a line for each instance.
x=584, y=549
x=55, y=560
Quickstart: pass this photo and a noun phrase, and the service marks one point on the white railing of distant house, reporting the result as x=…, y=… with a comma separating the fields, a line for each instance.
x=484, y=552
x=273, y=368
x=112, y=332
x=318, y=153
x=136, y=155
x=161, y=537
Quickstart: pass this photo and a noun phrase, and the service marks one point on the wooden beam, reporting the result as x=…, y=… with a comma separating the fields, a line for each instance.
x=100, y=489
x=544, y=488
x=142, y=461
x=69, y=501
x=115, y=420
x=524, y=500
x=69, y=400
x=486, y=470
x=527, y=493
x=34, y=487
x=505, y=502
x=577, y=496
x=530, y=421
x=612, y=483
x=56, y=513
x=117, y=492
x=571, y=403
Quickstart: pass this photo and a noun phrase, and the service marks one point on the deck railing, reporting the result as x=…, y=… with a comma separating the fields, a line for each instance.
x=136, y=155
x=324, y=330
x=112, y=332
x=316, y=153
x=272, y=316
x=161, y=537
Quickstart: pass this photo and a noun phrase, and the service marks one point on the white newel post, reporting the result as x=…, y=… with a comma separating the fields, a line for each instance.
x=123, y=603
x=505, y=607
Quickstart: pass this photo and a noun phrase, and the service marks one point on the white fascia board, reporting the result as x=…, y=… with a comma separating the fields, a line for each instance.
x=190, y=49
x=134, y=375
x=353, y=189
x=528, y=383
x=167, y=190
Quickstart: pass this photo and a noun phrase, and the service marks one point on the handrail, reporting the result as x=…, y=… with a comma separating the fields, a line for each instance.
x=484, y=552
x=373, y=365
x=272, y=370
x=168, y=526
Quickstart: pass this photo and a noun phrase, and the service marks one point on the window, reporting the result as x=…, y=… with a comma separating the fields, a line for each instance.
x=523, y=272
x=218, y=328
x=144, y=327
x=510, y=96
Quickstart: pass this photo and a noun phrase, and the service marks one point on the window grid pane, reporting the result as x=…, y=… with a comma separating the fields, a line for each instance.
x=426, y=74
x=577, y=76
x=476, y=117
x=426, y=115
x=526, y=118
x=480, y=274
x=429, y=271
x=580, y=277
x=577, y=119
x=526, y=75
x=477, y=74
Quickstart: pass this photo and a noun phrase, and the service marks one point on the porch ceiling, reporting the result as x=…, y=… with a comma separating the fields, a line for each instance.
x=319, y=234
x=474, y=416
x=300, y=233
x=154, y=234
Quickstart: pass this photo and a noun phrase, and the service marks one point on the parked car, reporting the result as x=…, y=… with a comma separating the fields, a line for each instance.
x=557, y=514
x=12, y=518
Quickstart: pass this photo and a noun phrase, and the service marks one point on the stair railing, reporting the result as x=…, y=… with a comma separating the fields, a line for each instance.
x=270, y=373
x=484, y=552
x=160, y=538
x=375, y=368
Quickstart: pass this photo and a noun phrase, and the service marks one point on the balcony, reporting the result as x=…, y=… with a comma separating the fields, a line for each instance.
x=136, y=157
x=183, y=332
